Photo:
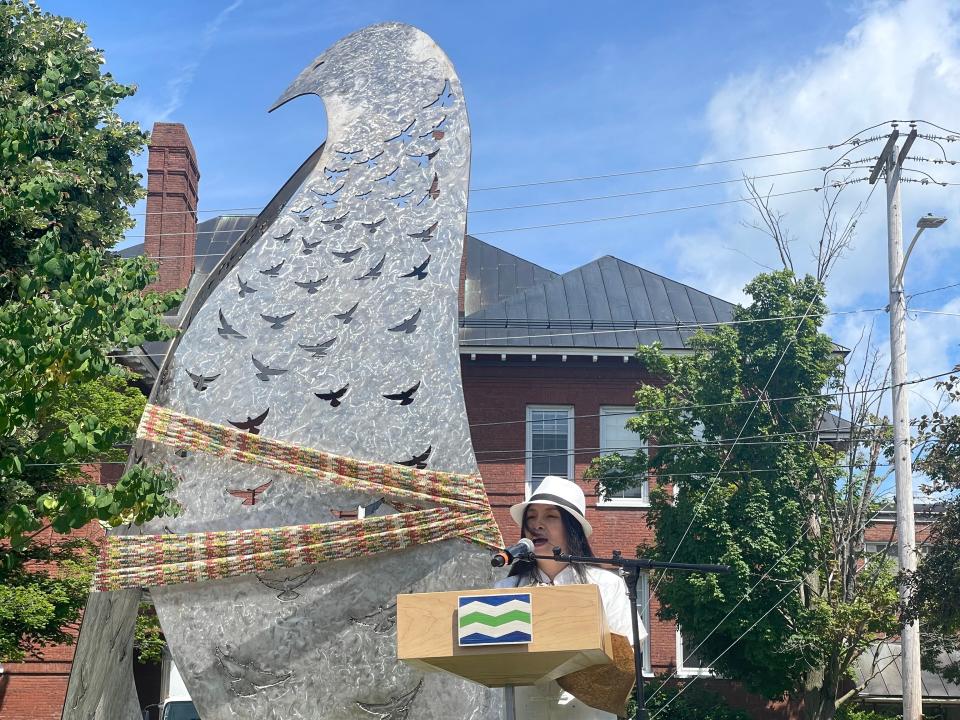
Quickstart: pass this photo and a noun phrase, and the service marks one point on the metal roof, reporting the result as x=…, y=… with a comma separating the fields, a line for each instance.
x=214, y=237
x=635, y=305
x=887, y=684
x=607, y=304
x=493, y=275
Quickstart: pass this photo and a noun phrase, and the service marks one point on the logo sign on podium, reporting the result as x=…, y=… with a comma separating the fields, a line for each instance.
x=494, y=619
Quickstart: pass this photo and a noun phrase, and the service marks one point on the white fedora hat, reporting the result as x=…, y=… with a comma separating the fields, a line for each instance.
x=557, y=491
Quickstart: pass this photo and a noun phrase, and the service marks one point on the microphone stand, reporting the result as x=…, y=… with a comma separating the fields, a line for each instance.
x=630, y=569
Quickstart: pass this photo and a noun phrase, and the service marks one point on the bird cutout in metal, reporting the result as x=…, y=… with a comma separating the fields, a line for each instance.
x=348, y=155
x=390, y=178
x=227, y=330
x=336, y=222
x=303, y=214
x=320, y=349
x=311, y=286
x=371, y=161
x=373, y=226
x=249, y=495
x=374, y=272
x=418, y=461
x=423, y=159
x=358, y=512
x=334, y=397
x=245, y=289
x=329, y=200
x=251, y=424
x=434, y=192
x=277, y=322
x=285, y=236
x=425, y=235
x=404, y=397
x=409, y=325
x=438, y=131
x=264, y=371
x=346, y=256
x=401, y=201
x=308, y=247
x=331, y=174
x=396, y=708
x=404, y=135
x=390, y=333
x=419, y=272
x=247, y=679
x=383, y=620
x=200, y=381
x=287, y=585
x=346, y=317
x=444, y=99
x=273, y=270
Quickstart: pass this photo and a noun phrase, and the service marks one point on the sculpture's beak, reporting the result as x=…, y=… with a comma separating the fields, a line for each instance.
x=308, y=81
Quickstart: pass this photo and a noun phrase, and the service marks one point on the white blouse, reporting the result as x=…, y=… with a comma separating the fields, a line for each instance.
x=547, y=701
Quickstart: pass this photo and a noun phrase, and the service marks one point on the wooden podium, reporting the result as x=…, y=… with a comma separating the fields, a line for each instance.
x=569, y=634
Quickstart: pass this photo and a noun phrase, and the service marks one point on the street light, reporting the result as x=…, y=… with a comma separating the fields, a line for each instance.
x=927, y=221
x=902, y=461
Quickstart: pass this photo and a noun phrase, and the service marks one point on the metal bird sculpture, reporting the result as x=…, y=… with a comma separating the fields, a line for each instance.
x=200, y=381
x=246, y=679
x=287, y=585
x=241, y=652
x=396, y=708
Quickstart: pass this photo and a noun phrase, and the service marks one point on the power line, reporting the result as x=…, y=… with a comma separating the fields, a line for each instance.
x=759, y=399
x=836, y=185
x=665, y=168
x=649, y=213
x=933, y=290
x=757, y=622
x=540, y=204
x=682, y=408
x=494, y=324
x=934, y=312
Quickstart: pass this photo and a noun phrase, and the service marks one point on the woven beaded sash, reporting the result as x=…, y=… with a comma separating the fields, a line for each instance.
x=461, y=511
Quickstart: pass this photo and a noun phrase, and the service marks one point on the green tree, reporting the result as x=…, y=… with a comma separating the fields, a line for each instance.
x=937, y=582
x=67, y=302
x=734, y=424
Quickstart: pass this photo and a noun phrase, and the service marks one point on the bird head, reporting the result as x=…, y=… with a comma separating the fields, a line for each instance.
x=379, y=69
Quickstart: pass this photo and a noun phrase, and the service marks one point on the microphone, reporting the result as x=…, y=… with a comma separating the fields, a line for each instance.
x=522, y=549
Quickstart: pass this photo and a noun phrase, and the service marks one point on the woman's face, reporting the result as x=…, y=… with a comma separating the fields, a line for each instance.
x=544, y=525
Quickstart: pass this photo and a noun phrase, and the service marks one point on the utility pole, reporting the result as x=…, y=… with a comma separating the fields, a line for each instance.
x=892, y=161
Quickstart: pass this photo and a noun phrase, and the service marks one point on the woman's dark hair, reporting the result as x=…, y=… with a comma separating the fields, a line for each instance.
x=577, y=544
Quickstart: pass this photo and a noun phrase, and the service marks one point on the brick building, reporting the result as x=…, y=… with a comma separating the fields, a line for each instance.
x=548, y=368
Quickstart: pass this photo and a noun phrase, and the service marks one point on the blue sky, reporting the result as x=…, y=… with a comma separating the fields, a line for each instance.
x=556, y=92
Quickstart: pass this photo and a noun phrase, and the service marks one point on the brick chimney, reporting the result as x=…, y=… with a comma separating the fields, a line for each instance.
x=171, y=226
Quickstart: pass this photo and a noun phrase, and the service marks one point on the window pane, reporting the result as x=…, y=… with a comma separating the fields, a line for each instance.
x=691, y=660
x=616, y=437
x=549, y=444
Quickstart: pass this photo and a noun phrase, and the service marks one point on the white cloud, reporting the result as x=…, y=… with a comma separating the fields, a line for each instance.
x=900, y=60
x=180, y=83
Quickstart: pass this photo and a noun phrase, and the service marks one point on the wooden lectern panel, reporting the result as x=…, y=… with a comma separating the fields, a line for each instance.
x=569, y=633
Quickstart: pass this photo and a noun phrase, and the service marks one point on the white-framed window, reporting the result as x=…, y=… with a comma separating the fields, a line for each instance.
x=643, y=607
x=873, y=548
x=690, y=659
x=549, y=443
x=890, y=549
x=615, y=437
